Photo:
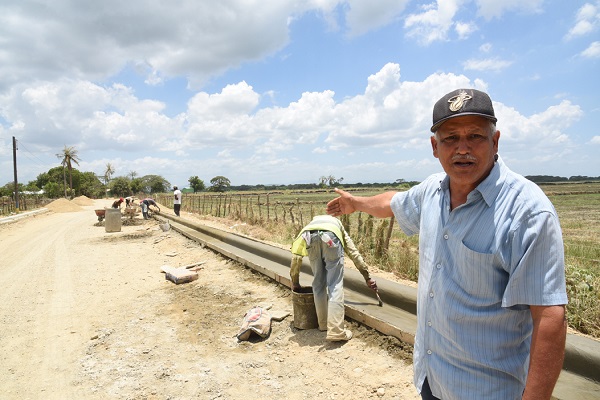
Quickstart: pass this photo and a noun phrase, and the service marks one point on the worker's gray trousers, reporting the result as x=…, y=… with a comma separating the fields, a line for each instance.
x=327, y=263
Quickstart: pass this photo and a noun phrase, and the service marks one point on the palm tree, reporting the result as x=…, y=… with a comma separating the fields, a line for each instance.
x=108, y=173
x=69, y=156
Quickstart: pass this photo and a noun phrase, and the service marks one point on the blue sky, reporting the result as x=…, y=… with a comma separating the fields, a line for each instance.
x=285, y=91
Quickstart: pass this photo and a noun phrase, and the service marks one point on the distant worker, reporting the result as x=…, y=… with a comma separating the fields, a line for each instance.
x=324, y=240
x=129, y=201
x=176, y=200
x=145, y=204
x=117, y=203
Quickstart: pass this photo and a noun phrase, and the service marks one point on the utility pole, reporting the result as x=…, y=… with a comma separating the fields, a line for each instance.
x=15, y=168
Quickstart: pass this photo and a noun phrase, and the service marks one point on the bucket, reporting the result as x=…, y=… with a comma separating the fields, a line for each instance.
x=305, y=314
x=112, y=221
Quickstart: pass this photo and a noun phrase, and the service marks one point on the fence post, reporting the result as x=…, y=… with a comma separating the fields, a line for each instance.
x=300, y=211
x=258, y=204
x=268, y=210
x=389, y=233
x=380, y=239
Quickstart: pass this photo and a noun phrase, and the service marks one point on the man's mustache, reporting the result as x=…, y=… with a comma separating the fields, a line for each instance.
x=463, y=157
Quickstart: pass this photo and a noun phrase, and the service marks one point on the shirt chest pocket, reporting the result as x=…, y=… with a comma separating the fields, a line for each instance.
x=481, y=280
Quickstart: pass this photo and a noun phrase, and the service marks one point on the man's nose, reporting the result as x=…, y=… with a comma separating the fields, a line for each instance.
x=463, y=146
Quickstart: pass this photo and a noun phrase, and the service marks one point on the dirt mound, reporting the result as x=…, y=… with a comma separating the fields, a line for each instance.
x=63, y=205
x=83, y=201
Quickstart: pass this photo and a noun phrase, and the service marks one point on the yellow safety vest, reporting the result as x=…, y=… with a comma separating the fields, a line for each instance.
x=318, y=223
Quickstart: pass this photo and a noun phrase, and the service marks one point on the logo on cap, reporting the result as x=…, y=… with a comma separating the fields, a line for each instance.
x=457, y=102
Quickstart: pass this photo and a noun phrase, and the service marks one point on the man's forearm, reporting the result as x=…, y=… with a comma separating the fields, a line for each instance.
x=377, y=206
x=547, y=351
x=295, y=270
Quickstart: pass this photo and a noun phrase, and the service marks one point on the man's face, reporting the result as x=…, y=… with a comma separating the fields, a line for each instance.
x=466, y=148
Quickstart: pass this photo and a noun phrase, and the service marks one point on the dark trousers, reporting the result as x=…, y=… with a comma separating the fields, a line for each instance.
x=176, y=208
x=426, y=392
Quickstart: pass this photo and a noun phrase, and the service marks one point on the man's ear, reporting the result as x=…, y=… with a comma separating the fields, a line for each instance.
x=496, y=138
x=434, y=146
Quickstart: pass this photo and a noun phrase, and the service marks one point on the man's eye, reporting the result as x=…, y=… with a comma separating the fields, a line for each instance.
x=449, y=139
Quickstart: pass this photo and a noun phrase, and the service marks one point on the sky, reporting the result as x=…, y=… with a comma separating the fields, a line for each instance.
x=287, y=91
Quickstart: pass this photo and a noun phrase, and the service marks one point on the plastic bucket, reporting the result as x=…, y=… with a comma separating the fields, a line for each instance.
x=305, y=314
x=112, y=221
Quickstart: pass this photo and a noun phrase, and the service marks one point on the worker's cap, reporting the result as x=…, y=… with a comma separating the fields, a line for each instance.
x=462, y=102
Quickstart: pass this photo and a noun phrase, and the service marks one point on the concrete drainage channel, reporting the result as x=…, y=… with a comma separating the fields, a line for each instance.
x=579, y=379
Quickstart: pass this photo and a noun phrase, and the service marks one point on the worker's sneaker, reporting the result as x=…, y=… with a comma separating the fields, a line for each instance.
x=345, y=336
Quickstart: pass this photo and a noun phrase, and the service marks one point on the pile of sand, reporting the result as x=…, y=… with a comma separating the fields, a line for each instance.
x=83, y=201
x=63, y=205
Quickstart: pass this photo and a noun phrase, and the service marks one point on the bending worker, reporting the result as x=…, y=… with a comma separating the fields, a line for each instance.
x=117, y=203
x=324, y=240
x=145, y=204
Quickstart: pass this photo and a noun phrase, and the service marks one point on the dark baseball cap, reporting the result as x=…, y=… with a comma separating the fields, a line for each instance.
x=462, y=102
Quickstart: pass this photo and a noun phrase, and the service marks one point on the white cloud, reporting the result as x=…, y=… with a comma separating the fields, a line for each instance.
x=363, y=16
x=595, y=140
x=587, y=21
x=489, y=64
x=464, y=30
x=489, y=9
x=485, y=48
x=433, y=23
x=224, y=133
x=95, y=40
x=545, y=129
x=593, y=51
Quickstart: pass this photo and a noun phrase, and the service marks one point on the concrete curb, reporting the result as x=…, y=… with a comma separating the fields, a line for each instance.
x=16, y=217
x=581, y=369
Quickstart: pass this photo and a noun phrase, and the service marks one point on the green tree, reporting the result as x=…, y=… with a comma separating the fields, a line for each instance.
x=91, y=186
x=155, y=184
x=329, y=180
x=52, y=190
x=108, y=172
x=137, y=185
x=120, y=186
x=42, y=179
x=219, y=184
x=31, y=187
x=69, y=156
x=8, y=189
x=196, y=183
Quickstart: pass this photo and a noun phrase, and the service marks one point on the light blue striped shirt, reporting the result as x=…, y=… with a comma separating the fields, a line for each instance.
x=480, y=267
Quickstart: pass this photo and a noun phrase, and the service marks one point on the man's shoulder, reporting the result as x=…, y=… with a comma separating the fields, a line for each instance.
x=527, y=195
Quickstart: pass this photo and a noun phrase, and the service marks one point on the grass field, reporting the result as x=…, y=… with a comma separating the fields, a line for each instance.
x=578, y=207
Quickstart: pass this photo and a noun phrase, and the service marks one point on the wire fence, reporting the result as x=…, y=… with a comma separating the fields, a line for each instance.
x=26, y=202
x=371, y=235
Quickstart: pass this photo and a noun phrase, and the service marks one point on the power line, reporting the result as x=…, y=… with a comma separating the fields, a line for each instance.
x=35, y=158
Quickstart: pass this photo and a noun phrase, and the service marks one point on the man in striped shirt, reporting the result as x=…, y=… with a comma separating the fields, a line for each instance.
x=491, y=296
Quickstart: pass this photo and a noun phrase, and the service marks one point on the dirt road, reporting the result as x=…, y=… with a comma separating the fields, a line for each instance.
x=87, y=314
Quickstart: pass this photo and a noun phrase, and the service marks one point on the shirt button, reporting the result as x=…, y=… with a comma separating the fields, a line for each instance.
x=446, y=237
x=439, y=266
x=430, y=294
x=429, y=352
x=428, y=323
